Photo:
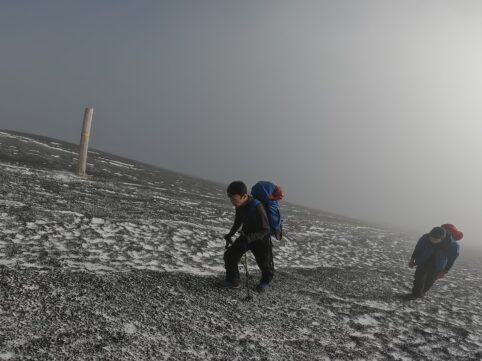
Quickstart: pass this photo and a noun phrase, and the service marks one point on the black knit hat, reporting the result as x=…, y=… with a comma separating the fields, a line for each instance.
x=237, y=187
x=437, y=232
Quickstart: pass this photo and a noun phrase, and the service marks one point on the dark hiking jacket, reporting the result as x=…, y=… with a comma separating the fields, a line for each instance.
x=444, y=252
x=253, y=219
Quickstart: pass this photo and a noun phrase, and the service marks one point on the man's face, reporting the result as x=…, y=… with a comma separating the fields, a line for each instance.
x=435, y=240
x=238, y=200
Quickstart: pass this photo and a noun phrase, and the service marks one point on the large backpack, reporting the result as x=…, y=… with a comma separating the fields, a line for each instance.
x=456, y=233
x=269, y=194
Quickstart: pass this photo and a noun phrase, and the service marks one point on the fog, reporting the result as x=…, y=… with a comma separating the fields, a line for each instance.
x=368, y=109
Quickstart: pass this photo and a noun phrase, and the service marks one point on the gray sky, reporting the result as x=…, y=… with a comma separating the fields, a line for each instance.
x=369, y=109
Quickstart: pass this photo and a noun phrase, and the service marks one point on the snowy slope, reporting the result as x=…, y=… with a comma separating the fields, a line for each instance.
x=336, y=294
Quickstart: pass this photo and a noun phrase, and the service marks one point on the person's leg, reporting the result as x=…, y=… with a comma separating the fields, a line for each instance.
x=431, y=276
x=429, y=281
x=424, y=277
x=419, y=281
x=231, y=260
x=263, y=253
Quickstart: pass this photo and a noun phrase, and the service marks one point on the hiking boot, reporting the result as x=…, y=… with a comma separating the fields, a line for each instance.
x=231, y=284
x=411, y=297
x=263, y=287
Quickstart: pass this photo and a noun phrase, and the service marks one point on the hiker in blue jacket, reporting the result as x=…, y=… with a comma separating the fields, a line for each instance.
x=434, y=255
x=255, y=236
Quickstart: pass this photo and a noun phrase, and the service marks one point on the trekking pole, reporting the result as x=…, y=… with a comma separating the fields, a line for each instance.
x=246, y=269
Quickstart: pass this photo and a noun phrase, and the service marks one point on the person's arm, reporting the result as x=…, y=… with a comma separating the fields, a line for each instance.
x=236, y=225
x=264, y=229
x=416, y=251
x=453, y=254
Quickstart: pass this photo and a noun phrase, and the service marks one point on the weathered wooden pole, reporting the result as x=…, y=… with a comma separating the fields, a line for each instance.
x=84, y=141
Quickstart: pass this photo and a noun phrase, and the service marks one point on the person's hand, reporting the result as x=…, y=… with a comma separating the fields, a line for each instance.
x=441, y=274
x=228, y=240
x=411, y=264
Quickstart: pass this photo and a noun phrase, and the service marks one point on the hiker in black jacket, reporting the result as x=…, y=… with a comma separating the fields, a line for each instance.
x=254, y=236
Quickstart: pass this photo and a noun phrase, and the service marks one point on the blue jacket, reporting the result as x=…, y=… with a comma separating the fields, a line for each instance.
x=445, y=252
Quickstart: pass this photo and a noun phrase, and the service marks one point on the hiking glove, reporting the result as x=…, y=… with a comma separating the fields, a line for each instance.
x=228, y=239
x=441, y=274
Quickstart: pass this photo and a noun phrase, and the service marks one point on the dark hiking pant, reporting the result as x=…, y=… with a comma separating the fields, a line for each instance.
x=262, y=250
x=425, y=276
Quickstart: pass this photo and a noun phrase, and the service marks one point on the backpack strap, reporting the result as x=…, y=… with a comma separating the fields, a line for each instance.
x=253, y=212
x=252, y=209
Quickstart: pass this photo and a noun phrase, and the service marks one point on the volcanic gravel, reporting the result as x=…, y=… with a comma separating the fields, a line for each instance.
x=126, y=265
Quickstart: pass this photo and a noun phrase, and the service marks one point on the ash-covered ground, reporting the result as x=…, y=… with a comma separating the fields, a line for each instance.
x=125, y=265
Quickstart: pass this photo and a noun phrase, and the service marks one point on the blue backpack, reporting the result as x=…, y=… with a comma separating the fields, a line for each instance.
x=264, y=191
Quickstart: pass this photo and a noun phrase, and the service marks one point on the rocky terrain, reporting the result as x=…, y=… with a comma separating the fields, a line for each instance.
x=125, y=265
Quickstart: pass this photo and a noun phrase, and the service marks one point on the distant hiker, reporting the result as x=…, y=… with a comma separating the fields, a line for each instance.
x=434, y=255
x=254, y=236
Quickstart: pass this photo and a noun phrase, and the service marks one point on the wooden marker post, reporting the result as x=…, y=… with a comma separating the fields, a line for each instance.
x=84, y=141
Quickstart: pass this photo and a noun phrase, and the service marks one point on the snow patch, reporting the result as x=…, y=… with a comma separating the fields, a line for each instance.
x=7, y=355
x=130, y=328
x=366, y=320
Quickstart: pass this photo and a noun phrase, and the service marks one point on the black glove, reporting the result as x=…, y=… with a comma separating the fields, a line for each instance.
x=228, y=239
